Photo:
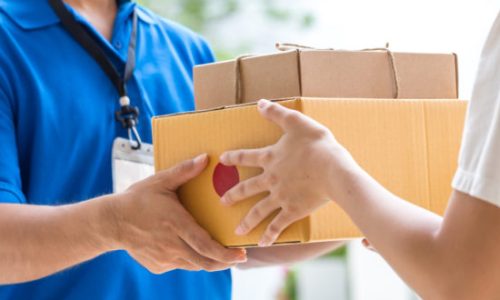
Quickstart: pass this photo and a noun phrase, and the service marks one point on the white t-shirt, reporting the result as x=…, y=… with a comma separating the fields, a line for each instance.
x=478, y=171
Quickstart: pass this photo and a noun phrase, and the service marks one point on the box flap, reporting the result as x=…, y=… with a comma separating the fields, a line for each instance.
x=214, y=84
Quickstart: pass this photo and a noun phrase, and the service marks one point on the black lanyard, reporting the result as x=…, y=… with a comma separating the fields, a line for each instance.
x=127, y=115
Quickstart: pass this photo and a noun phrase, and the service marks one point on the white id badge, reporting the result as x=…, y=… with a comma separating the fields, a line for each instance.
x=130, y=166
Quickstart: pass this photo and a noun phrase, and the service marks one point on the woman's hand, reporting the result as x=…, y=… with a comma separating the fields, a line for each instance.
x=298, y=171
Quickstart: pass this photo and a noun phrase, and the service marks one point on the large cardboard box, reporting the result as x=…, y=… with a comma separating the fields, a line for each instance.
x=326, y=73
x=409, y=146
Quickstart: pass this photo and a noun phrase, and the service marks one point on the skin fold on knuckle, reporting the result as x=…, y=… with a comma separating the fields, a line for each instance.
x=272, y=179
x=227, y=255
x=244, y=225
x=209, y=266
x=267, y=110
x=157, y=269
x=255, y=215
x=192, y=238
x=259, y=183
x=320, y=133
x=196, y=260
x=228, y=157
x=291, y=209
x=204, y=245
x=202, y=248
x=161, y=259
x=239, y=157
x=291, y=117
x=268, y=237
x=228, y=197
x=266, y=157
x=272, y=231
x=184, y=167
x=272, y=109
x=241, y=189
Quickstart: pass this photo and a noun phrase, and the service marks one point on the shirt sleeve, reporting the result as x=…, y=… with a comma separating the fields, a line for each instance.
x=478, y=171
x=10, y=177
x=206, y=54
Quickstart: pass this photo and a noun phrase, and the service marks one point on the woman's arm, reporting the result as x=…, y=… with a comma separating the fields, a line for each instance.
x=452, y=258
x=286, y=254
x=455, y=257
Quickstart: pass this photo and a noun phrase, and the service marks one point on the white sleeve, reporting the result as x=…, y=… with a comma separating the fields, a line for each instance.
x=478, y=171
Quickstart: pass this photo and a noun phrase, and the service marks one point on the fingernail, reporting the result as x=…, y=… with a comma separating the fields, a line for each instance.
x=242, y=260
x=263, y=103
x=240, y=230
x=264, y=243
x=242, y=257
x=222, y=159
x=200, y=158
x=223, y=200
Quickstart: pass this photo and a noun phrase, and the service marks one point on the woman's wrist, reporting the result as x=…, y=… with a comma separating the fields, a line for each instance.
x=345, y=175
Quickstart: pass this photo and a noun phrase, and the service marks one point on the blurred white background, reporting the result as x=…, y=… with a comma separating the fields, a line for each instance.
x=410, y=26
x=458, y=26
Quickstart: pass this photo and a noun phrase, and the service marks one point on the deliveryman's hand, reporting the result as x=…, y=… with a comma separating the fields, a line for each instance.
x=156, y=230
x=297, y=172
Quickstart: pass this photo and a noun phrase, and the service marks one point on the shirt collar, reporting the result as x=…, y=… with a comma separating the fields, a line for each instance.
x=35, y=14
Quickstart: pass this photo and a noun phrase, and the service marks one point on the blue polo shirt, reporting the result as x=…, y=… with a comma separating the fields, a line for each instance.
x=57, y=127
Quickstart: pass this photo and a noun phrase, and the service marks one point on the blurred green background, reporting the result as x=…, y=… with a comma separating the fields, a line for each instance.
x=205, y=16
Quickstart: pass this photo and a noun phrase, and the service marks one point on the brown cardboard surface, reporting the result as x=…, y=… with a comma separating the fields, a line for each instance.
x=442, y=164
x=369, y=75
x=326, y=73
x=184, y=136
x=409, y=146
x=269, y=76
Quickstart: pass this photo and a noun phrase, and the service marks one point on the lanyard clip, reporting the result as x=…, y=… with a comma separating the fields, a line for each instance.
x=128, y=117
x=135, y=141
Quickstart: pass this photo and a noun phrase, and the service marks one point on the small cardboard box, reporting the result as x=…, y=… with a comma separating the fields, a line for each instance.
x=409, y=146
x=326, y=73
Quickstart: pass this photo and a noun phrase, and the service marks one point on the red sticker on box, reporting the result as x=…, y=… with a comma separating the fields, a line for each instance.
x=224, y=178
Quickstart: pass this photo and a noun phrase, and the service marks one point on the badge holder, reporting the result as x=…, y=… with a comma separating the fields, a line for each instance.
x=130, y=165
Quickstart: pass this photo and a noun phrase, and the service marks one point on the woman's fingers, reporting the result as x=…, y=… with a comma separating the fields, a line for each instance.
x=244, y=190
x=273, y=231
x=245, y=157
x=287, y=119
x=256, y=215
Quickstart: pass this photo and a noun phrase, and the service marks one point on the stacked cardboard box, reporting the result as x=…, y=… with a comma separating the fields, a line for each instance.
x=410, y=146
x=326, y=73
